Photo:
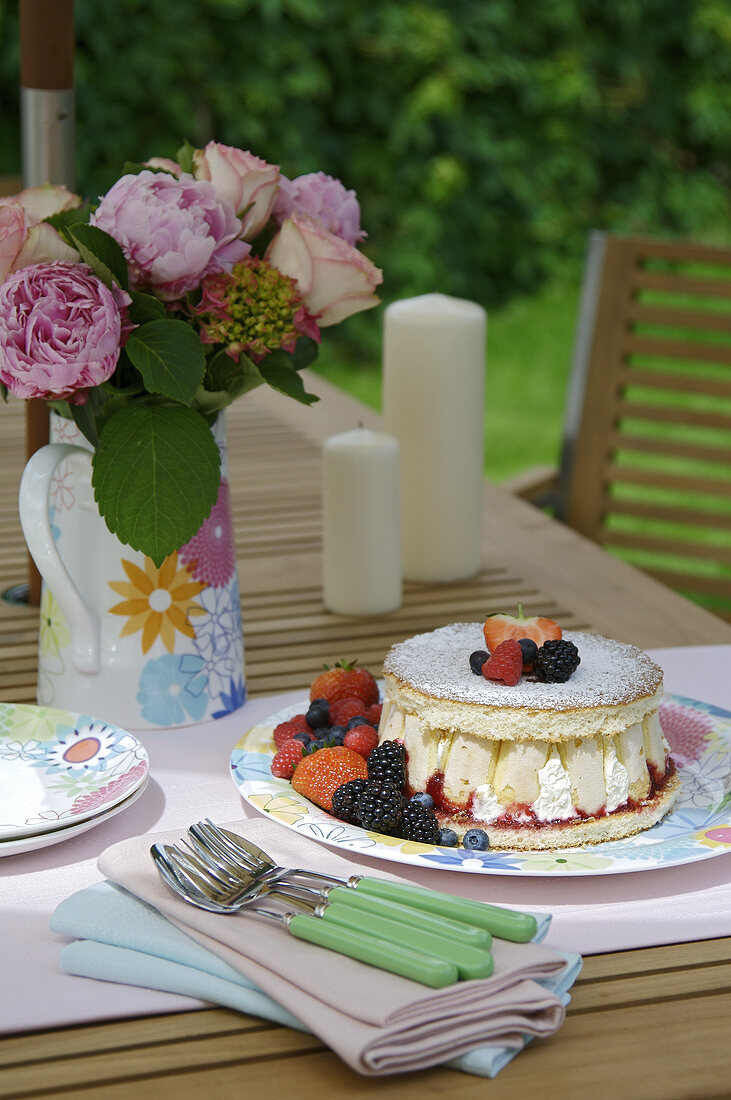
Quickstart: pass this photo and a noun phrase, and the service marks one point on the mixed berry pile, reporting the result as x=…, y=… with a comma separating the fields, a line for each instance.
x=517, y=646
x=331, y=756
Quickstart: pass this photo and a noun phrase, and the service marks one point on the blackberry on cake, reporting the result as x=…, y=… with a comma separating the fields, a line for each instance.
x=556, y=661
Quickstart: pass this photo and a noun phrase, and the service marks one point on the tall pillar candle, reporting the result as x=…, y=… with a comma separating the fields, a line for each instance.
x=433, y=402
x=361, y=523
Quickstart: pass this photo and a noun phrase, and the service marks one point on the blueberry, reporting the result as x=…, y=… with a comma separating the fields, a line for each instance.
x=477, y=660
x=475, y=840
x=423, y=798
x=359, y=720
x=318, y=715
x=303, y=737
x=319, y=744
x=448, y=838
x=336, y=735
x=529, y=649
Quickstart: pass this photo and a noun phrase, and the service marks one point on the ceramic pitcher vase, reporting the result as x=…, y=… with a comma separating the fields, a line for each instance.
x=121, y=639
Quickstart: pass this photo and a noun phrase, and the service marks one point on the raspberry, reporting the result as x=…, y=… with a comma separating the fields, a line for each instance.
x=285, y=731
x=287, y=759
x=319, y=775
x=342, y=711
x=345, y=681
x=362, y=739
x=505, y=664
x=373, y=714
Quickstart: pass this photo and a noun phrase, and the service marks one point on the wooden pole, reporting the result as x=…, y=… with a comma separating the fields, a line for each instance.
x=47, y=129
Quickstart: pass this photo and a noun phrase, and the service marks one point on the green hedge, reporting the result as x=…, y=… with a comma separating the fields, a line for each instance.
x=483, y=136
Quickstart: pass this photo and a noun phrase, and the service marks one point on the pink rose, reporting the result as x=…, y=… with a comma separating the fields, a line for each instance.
x=24, y=237
x=60, y=330
x=173, y=232
x=246, y=181
x=323, y=197
x=334, y=279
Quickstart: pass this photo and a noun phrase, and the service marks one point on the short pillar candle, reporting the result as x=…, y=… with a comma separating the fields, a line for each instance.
x=434, y=351
x=361, y=523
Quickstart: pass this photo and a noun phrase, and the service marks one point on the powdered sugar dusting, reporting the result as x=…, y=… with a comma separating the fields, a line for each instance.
x=611, y=673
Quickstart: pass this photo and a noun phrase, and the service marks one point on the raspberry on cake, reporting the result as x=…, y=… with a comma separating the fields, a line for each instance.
x=535, y=764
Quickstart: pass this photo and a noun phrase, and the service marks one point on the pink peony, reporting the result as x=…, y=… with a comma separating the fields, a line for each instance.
x=60, y=331
x=24, y=237
x=334, y=279
x=245, y=180
x=322, y=197
x=173, y=232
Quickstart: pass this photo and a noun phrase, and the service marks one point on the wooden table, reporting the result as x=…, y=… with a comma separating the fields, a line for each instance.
x=650, y=1023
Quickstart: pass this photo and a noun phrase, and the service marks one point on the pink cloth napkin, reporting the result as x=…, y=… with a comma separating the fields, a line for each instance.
x=377, y=1022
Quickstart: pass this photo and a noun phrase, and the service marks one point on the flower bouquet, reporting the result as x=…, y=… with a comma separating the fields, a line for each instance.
x=142, y=316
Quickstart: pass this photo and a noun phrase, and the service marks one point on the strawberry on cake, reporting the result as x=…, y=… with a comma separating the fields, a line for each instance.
x=542, y=740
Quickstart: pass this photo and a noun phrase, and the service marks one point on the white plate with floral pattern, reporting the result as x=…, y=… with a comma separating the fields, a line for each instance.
x=698, y=828
x=59, y=769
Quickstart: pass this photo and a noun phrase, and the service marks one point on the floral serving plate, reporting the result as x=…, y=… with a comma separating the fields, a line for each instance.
x=58, y=769
x=698, y=828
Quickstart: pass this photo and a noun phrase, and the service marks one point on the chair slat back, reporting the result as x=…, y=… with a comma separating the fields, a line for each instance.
x=646, y=469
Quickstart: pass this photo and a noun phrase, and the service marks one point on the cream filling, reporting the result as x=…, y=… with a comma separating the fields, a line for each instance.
x=554, y=802
x=616, y=778
x=485, y=804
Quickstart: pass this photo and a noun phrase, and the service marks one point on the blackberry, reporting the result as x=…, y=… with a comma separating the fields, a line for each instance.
x=556, y=660
x=419, y=823
x=477, y=660
x=380, y=808
x=345, y=801
x=387, y=764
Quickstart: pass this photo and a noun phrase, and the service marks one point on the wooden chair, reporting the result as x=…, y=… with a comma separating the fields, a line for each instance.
x=646, y=462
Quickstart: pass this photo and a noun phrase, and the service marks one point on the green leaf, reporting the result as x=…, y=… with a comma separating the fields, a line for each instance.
x=85, y=421
x=278, y=371
x=3, y=391
x=169, y=356
x=225, y=374
x=134, y=167
x=101, y=252
x=156, y=476
x=184, y=156
x=78, y=215
x=145, y=308
x=305, y=352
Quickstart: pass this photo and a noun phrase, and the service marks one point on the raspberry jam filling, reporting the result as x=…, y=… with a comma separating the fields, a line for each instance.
x=521, y=815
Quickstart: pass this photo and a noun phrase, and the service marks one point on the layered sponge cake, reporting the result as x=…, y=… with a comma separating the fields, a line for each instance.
x=536, y=765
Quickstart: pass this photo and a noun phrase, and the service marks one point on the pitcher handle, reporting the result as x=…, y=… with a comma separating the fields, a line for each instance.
x=36, y=523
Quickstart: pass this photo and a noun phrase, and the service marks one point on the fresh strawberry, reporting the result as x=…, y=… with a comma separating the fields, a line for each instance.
x=287, y=759
x=362, y=739
x=319, y=775
x=345, y=680
x=342, y=711
x=499, y=627
x=286, y=730
x=505, y=664
x=373, y=714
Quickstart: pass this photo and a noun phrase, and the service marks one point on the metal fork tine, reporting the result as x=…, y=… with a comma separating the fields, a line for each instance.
x=204, y=862
x=242, y=848
x=210, y=841
x=177, y=878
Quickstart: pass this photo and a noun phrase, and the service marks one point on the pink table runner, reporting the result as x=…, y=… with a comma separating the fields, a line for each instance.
x=191, y=780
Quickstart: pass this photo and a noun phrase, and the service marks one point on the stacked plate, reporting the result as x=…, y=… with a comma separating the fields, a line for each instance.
x=61, y=774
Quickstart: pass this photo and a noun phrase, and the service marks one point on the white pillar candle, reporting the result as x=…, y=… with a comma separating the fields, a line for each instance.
x=434, y=351
x=361, y=523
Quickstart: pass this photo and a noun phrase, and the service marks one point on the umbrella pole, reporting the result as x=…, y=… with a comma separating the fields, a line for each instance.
x=47, y=139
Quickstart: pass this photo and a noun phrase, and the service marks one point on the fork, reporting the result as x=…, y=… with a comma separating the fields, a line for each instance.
x=506, y=924
x=207, y=891
x=196, y=872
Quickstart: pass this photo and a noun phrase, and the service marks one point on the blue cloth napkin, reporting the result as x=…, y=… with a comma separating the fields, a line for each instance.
x=119, y=938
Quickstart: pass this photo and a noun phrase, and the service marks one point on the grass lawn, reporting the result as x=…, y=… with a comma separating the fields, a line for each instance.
x=529, y=345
